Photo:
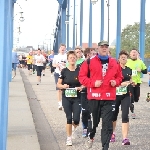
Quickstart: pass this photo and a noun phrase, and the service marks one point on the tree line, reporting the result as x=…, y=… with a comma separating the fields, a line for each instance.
x=130, y=39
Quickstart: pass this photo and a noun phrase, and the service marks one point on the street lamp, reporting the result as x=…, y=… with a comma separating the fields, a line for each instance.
x=52, y=34
x=21, y=17
x=108, y=5
x=19, y=31
x=94, y=1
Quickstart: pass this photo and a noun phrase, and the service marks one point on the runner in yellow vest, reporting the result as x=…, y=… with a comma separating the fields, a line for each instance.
x=29, y=62
x=137, y=67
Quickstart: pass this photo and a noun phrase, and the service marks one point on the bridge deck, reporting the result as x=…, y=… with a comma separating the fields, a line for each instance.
x=46, y=97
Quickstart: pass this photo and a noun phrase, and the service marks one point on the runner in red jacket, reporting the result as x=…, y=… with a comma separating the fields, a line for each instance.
x=105, y=76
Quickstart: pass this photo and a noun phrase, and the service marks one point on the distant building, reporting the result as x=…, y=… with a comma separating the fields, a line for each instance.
x=85, y=45
x=25, y=49
x=30, y=47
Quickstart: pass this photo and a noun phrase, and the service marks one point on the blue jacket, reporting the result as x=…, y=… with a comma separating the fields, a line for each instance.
x=14, y=57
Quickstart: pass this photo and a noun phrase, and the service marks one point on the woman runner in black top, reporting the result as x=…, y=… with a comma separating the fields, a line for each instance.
x=69, y=84
x=123, y=99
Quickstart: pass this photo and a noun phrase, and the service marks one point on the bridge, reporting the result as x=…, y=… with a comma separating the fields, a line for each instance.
x=6, y=44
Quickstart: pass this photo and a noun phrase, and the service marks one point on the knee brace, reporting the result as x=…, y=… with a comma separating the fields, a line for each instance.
x=69, y=121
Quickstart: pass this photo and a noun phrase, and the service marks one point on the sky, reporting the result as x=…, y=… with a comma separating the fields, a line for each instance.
x=40, y=19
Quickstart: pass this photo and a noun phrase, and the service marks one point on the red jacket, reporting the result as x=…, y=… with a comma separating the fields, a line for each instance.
x=105, y=91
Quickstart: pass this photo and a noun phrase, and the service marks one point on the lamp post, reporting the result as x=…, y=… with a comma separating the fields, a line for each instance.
x=92, y=2
x=81, y=21
x=74, y=22
x=108, y=4
x=67, y=24
x=52, y=34
x=76, y=34
x=67, y=27
x=21, y=17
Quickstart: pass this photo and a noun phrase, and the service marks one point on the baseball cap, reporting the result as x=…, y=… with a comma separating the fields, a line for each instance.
x=101, y=43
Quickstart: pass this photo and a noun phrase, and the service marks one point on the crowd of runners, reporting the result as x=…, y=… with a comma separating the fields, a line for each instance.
x=92, y=85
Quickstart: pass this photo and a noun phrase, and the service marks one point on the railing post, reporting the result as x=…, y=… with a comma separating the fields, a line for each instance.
x=142, y=30
x=102, y=21
x=81, y=21
x=63, y=26
x=118, y=35
x=90, y=26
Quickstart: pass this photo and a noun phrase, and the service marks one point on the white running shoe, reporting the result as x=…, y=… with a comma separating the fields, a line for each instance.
x=60, y=105
x=13, y=77
x=69, y=141
x=133, y=115
x=84, y=133
x=89, y=143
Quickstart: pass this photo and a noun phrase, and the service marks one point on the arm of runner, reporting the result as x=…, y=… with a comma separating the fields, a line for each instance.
x=60, y=84
x=55, y=62
x=79, y=88
x=144, y=68
x=126, y=83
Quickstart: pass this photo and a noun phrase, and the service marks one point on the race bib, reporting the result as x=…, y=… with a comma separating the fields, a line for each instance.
x=134, y=72
x=121, y=90
x=71, y=92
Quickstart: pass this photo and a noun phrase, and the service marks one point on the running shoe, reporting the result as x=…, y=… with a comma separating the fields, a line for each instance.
x=113, y=138
x=148, y=97
x=126, y=142
x=133, y=115
x=89, y=143
x=69, y=141
x=84, y=133
x=60, y=107
x=38, y=83
x=13, y=77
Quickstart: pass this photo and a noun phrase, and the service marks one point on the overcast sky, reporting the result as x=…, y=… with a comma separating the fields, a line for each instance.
x=40, y=18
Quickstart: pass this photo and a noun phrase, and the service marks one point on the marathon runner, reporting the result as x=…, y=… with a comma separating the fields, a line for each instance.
x=137, y=67
x=69, y=84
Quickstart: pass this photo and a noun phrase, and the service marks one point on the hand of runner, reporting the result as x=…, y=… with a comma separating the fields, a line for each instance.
x=79, y=88
x=133, y=84
x=65, y=86
x=113, y=83
x=98, y=83
x=138, y=70
x=57, y=65
x=126, y=83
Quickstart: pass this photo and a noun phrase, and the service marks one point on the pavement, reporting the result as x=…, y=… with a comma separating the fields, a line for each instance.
x=23, y=130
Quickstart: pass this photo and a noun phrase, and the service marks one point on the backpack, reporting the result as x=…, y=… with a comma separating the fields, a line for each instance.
x=88, y=62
